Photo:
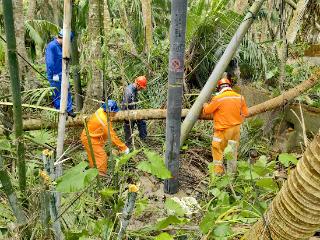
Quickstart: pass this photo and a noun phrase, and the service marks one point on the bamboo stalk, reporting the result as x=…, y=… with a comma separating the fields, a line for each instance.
x=16, y=91
x=147, y=22
x=11, y=195
x=65, y=82
x=220, y=67
x=175, y=91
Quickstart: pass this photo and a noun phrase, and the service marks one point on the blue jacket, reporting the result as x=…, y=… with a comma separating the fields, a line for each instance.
x=54, y=59
x=130, y=98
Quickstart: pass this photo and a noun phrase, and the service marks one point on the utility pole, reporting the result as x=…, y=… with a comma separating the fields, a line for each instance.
x=175, y=91
x=218, y=70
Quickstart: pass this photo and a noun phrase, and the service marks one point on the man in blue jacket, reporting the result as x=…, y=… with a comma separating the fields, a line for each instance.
x=54, y=72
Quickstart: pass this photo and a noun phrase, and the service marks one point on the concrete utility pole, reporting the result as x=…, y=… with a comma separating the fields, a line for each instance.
x=175, y=91
x=220, y=67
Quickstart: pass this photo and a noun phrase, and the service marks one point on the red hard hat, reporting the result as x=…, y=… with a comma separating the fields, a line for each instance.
x=141, y=81
x=223, y=81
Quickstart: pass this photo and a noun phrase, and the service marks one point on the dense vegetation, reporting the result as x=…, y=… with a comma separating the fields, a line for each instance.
x=113, y=44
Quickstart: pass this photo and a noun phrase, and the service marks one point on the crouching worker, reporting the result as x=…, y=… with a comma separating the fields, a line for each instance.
x=229, y=110
x=99, y=131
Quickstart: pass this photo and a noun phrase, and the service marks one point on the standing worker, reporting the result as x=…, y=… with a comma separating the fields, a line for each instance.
x=99, y=129
x=229, y=110
x=54, y=72
x=129, y=102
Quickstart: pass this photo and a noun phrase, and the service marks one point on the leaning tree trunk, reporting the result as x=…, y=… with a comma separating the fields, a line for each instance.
x=147, y=23
x=220, y=67
x=20, y=40
x=15, y=88
x=32, y=5
x=95, y=84
x=295, y=212
x=175, y=91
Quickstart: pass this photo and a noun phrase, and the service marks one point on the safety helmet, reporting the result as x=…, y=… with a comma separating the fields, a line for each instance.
x=60, y=34
x=141, y=81
x=223, y=81
x=112, y=106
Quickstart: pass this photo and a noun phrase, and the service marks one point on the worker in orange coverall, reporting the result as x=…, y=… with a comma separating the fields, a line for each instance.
x=98, y=131
x=229, y=110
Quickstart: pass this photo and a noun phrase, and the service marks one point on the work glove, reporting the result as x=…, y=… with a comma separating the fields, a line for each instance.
x=126, y=151
x=56, y=78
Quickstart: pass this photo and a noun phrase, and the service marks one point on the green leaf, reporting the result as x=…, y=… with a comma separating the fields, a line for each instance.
x=174, y=206
x=228, y=154
x=164, y=236
x=108, y=192
x=155, y=165
x=171, y=220
x=260, y=167
x=124, y=159
x=141, y=205
x=222, y=230
x=267, y=183
x=76, y=178
x=286, y=158
x=5, y=145
x=207, y=222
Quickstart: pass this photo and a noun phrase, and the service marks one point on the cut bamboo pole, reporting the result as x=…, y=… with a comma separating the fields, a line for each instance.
x=128, y=210
x=175, y=91
x=15, y=88
x=220, y=67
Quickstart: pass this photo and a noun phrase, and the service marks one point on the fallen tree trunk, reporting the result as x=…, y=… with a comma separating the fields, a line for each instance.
x=153, y=114
x=295, y=212
x=286, y=96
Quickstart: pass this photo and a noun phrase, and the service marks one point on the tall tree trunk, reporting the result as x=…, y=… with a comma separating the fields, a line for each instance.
x=147, y=22
x=175, y=92
x=75, y=61
x=95, y=84
x=296, y=20
x=107, y=24
x=32, y=5
x=20, y=40
x=295, y=212
x=220, y=67
x=15, y=89
x=57, y=18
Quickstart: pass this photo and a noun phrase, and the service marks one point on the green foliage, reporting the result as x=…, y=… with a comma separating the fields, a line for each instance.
x=175, y=207
x=76, y=179
x=164, y=236
x=5, y=145
x=42, y=136
x=123, y=159
x=141, y=205
x=108, y=192
x=155, y=165
x=171, y=220
x=286, y=159
x=267, y=183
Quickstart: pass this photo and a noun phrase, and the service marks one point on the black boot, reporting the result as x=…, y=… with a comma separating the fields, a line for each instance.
x=72, y=114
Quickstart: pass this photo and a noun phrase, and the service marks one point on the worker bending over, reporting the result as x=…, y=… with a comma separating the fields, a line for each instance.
x=229, y=110
x=98, y=128
x=129, y=102
x=54, y=71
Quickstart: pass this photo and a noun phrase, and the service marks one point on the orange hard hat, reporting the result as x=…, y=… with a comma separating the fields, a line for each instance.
x=223, y=81
x=141, y=81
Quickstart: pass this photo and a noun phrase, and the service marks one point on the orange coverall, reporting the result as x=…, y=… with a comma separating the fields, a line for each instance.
x=98, y=131
x=229, y=110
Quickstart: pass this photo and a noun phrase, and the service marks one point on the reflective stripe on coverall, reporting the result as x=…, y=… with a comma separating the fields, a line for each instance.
x=98, y=131
x=54, y=67
x=229, y=110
